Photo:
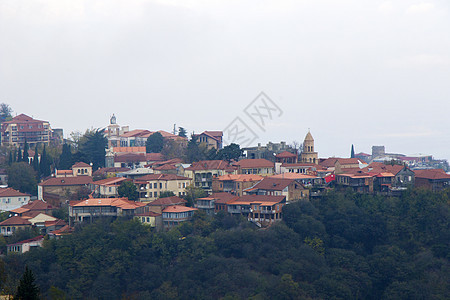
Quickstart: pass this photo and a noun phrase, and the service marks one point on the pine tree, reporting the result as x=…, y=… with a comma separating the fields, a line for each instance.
x=352, y=154
x=27, y=289
x=25, y=157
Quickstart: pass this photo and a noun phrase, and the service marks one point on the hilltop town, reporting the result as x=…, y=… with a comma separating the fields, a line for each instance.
x=163, y=178
x=204, y=219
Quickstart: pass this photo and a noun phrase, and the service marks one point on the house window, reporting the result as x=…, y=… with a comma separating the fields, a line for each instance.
x=155, y=185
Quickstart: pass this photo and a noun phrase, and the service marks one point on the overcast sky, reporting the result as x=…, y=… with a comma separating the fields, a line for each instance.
x=354, y=72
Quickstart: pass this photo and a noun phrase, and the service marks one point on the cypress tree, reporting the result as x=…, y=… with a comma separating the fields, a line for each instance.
x=27, y=289
x=19, y=155
x=65, y=159
x=10, y=160
x=36, y=162
x=44, y=164
x=25, y=157
x=352, y=153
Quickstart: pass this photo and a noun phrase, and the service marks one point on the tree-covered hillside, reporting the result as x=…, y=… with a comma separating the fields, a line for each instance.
x=342, y=246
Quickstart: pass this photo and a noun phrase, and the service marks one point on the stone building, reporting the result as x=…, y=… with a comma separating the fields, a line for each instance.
x=308, y=154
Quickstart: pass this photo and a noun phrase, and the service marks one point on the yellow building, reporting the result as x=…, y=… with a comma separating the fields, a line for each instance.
x=151, y=186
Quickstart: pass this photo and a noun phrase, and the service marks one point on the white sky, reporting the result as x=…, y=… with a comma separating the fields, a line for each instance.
x=355, y=72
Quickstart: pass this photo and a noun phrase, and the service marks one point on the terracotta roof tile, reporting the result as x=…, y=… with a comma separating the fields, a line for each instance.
x=173, y=200
x=255, y=163
x=178, y=208
x=67, y=181
x=10, y=192
x=240, y=177
x=432, y=174
x=273, y=184
x=15, y=221
x=210, y=165
x=285, y=154
x=81, y=165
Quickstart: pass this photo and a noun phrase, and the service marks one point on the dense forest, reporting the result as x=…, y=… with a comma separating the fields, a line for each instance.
x=341, y=246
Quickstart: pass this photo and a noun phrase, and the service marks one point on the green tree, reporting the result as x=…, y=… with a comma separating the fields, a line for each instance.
x=193, y=193
x=36, y=162
x=10, y=159
x=129, y=190
x=5, y=112
x=27, y=289
x=19, y=155
x=173, y=149
x=22, y=177
x=155, y=143
x=352, y=153
x=44, y=164
x=195, y=151
x=182, y=132
x=25, y=157
x=65, y=159
x=92, y=148
x=230, y=152
x=166, y=194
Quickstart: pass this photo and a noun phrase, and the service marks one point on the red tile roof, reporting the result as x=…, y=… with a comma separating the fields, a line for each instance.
x=35, y=239
x=223, y=197
x=15, y=221
x=10, y=192
x=110, y=170
x=166, y=167
x=293, y=176
x=432, y=174
x=123, y=203
x=173, y=200
x=210, y=165
x=273, y=184
x=23, y=118
x=178, y=208
x=135, y=133
x=286, y=154
x=254, y=163
x=81, y=164
x=37, y=205
x=130, y=157
x=155, y=157
x=110, y=181
x=67, y=181
x=128, y=150
x=240, y=177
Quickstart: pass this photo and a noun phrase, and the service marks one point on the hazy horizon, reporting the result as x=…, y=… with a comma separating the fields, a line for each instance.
x=354, y=72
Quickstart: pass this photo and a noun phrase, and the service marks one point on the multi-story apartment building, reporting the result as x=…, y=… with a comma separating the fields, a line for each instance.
x=203, y=172
x=24, y=128
x=151, y=186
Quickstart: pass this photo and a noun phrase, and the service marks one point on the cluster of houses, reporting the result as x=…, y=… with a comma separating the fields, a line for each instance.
x=257, y=186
